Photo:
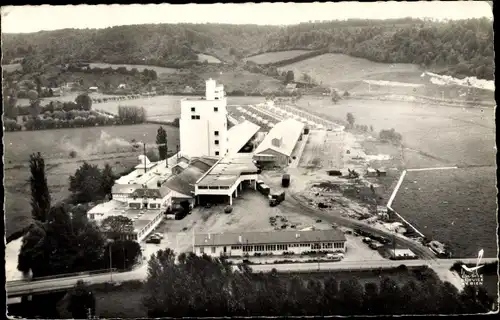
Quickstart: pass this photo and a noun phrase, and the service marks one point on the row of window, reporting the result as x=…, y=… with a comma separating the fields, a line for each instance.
x=137, y=205
x=216, y=109
x=274, y=247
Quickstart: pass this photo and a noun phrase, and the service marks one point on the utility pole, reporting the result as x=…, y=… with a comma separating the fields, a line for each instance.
x=144, y=144
x=110, y=262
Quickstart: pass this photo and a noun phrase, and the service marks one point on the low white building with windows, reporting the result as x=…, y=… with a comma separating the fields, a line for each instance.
x=269, y=243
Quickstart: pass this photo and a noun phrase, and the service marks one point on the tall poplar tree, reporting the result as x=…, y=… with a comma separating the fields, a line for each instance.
x=161, y=142
x=40, y=196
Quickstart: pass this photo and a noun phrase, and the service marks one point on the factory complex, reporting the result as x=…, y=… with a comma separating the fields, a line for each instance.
x=213, y=165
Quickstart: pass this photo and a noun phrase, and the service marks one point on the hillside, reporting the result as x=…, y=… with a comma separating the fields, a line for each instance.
x=458, y=48
x=167, y=45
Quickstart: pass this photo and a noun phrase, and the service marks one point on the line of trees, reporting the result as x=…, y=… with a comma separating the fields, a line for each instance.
x=131, y=114
x=188, y=287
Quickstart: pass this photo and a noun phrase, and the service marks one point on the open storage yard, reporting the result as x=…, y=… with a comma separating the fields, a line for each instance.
x=456, y=207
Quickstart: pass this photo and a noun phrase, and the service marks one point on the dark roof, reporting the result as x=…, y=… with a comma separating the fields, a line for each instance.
x=146, y=193
x=184, y=181
x=203, y=163
x=125, y=188
x=270, y=237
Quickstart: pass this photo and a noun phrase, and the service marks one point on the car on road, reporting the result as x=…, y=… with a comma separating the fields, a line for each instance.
x=367, y=240
x=375, y=245
x=153, y=239
x=184, y=229
x=159, y=235
x=318, y=221
x=335, y=256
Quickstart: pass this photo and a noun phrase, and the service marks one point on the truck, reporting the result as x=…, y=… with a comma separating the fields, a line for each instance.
x=264, y=189
x=276, y=198
x=285, y=180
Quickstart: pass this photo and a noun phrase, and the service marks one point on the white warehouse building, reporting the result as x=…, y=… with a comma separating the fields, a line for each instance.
x=267, y=243
x=203, y=123
x=279, y=144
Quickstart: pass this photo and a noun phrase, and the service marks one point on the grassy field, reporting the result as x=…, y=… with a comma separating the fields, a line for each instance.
x=243, y=80
x=95, y=145
x=348, y=73
x=342, y=71
x=271, y=57
x=456, y=207
x=210, y=59
x=434, y=135
x=165, y=108
x=139, y=67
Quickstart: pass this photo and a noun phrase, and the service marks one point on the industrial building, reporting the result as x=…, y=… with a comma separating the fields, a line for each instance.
x=279, y=144
x=225, y=178
x=240, y=135
x=267, y=243
x=144, y=220
x=203, y=123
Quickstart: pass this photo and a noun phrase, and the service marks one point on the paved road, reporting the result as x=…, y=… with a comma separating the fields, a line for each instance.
x=17, y=288
x=294, y=203
x=350, y=265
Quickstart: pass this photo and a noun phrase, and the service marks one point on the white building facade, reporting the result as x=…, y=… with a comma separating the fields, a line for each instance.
x=269, y=243
x=203, y=123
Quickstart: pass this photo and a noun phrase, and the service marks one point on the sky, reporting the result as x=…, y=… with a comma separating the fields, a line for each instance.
x=25, y=19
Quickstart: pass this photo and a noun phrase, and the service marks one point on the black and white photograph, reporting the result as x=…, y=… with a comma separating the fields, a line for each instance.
x=249, y=159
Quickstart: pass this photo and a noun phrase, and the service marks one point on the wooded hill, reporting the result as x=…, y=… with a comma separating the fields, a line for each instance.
x=458, y=48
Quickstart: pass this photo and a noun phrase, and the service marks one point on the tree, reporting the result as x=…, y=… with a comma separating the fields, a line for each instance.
x=350, y=119
x=290, y=77
x=84, y=101
x=124, y=253
x=86, y=183
x=82, y=302
x=62, y=244
x=40, y=196
x=161, y=142
x=117, y=227
x=335, y=96
x=107, y=179
x=32, y=95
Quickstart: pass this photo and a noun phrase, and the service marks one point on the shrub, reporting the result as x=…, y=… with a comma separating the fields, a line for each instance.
x=72, y=154
x=391, y=135
x=11, y=125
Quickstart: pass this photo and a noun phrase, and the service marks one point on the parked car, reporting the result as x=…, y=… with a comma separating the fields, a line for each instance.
x=318, y=221
x=184, y=229
x=153, y=239
x=228, y=209
x=159, y=235
x=367, y=240
x=375, y=245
